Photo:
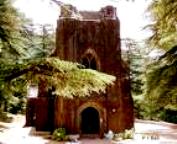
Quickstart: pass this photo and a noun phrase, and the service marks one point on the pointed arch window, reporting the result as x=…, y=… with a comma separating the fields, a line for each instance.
x=89, y=61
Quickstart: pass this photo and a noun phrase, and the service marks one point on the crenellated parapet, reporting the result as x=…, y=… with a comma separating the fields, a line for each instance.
x=109, y=12
x=69, y=11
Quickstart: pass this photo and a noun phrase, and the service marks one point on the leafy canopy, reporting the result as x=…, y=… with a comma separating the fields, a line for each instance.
x=69, y=79
x=161, y=81
x=164, y=23
x=11, y=41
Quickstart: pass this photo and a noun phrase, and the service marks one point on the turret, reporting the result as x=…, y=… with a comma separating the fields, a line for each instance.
x=68, y=11
x=109, y=12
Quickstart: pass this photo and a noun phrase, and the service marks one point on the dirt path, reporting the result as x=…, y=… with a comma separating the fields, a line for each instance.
x=167, y=132
x=14, y=133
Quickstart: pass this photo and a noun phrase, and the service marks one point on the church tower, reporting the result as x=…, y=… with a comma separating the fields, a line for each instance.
x=91, y=38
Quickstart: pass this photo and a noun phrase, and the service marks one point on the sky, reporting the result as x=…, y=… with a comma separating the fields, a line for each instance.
x=131, y=14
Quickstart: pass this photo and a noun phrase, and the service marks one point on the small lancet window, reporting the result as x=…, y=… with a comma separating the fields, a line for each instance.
x=85, y=62
x=93, y=64
x=89, y=62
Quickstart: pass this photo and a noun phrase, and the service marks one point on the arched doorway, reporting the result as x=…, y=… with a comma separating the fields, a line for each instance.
x=90, y=123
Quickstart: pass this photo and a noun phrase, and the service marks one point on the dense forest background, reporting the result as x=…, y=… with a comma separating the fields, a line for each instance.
x=24, y=58
x=154, y=76
x=20, y=42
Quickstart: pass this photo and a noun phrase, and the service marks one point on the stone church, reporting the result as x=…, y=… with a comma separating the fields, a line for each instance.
x=91, y=38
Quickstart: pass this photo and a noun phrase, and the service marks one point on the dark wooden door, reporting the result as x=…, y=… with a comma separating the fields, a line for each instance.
x=90, y=121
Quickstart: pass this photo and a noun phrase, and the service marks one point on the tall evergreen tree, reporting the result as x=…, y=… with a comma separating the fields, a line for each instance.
x=164, y=23
x=161, y=82
x=135, y=54
x=11, y=45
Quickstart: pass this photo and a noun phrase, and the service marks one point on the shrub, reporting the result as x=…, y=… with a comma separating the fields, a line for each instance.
x=59, y=134
x=4, y=117
x=127, y=134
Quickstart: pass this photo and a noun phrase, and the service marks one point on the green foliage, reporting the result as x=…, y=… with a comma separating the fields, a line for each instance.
x=163, y=27
x=161, y=85
x=127, y=134
x=18, y=41
x=170, y=115
x=10, y=26
x=40, y=40
x=69, y=79
x=5, y=117
x=139, y=107
x=20, y=38
x=60, y=134
x=135, y=55
x=12, y=95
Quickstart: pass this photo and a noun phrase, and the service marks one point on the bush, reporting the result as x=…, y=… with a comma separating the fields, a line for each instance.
x=170, y=116
x=59, y=134
x=17, y=104
x=4, y=117
x=127, y=134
